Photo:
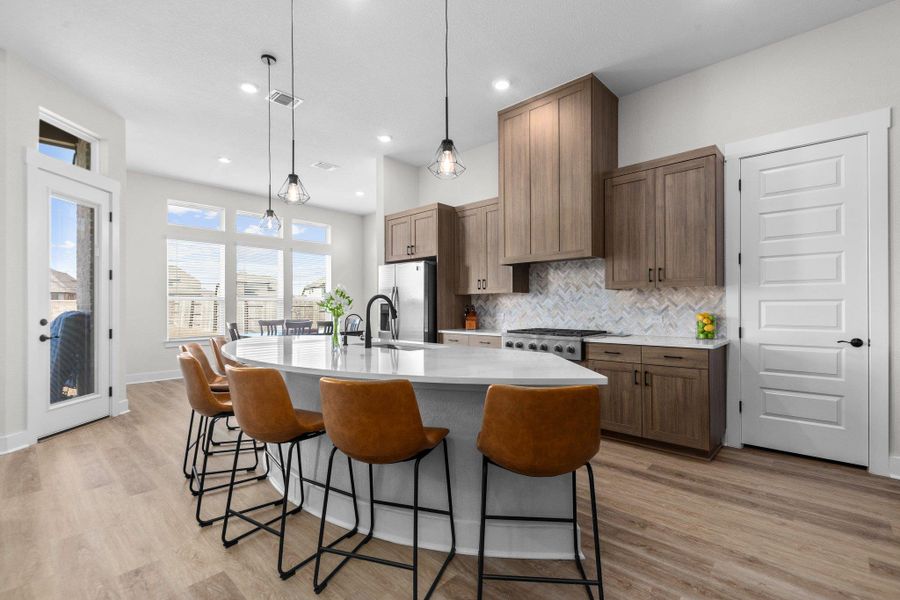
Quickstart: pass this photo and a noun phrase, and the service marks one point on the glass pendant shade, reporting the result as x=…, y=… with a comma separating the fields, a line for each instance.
x=446, y=164
x=293, y=191
x=270, y=221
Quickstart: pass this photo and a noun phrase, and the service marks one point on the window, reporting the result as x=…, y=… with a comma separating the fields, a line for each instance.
x=246, y=222
x=260, y=296
x=196, y=274
x=311, y=279
x=65, y=142
x=302, y=231
x=198, y=216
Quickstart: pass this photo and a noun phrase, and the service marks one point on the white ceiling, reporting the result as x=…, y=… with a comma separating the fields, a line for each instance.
x=172, y=69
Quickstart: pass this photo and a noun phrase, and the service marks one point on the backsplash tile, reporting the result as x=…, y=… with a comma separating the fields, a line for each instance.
x=571, y=294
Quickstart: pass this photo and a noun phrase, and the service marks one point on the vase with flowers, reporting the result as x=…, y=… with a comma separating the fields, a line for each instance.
x=336, y=303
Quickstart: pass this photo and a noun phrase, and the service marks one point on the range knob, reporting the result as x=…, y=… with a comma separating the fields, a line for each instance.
x=570, y=349
x=544, y=347
x=557, y=348
x=519, y=345
x=509, y=344
x=532, y=346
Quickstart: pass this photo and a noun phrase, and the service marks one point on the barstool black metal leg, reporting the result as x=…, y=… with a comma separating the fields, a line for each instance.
x=484, y=469
x=284, y=512
x=316, y=586
x=237, y=455
x=452, y=553
x=201, y=429
x=207, y=438
x=575, y=537
x=415, y=569
x=187, y=446
x=590, y=471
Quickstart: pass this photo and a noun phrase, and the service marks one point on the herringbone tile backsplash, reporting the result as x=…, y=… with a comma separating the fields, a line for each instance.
x=571, y=294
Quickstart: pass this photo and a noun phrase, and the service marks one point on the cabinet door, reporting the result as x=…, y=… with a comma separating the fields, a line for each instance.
x=686, y=223
x=620, y=402
x=396, y=239
x=471, y=238
x=515, y=185
x=423, y=227
x=630, y=224
x=455, y=339
x=497, y=278
x=543, y=130
x=575, y=184
x=676, y=406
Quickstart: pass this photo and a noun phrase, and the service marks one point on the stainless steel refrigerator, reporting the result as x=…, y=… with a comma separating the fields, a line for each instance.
x=411, y=287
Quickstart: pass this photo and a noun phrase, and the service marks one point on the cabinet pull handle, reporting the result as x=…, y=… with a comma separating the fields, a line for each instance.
x=671, y=356
x=659, y=274
x=647, y=378
x=407, y=249
x=412, y=249
x=478, y=284
x=610, y=352
x=484, y=284
x=484, y=342
x=636, y=376
x=650, y=275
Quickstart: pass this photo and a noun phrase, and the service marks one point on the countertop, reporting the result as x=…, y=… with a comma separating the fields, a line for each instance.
x=659, y=340
x=492, y=332
x=416, y=361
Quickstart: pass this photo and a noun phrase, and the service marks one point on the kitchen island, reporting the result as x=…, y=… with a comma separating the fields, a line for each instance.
x=450, y=384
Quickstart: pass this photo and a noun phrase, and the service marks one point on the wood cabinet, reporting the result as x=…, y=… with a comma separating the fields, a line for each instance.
x=553, y=149
x=411, y=235
x=478, y=236
x=470, y=339
x=666, y=397
x=665, y=222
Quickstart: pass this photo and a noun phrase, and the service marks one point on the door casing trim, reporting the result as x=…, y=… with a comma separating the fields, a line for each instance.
x=874, y=125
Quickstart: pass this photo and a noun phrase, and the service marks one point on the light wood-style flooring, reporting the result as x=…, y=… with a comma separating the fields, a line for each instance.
x=104, y=512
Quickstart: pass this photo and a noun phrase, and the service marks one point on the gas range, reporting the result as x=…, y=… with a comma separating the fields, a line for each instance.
x=568, y=343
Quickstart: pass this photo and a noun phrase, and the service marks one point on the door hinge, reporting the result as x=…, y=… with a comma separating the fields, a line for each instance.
x=110, y=216
x=739, y=185
x=110, y=391
x=110, y=274
x=110, y=334
x=739, y=261
x=740, y=332
x=740, y=406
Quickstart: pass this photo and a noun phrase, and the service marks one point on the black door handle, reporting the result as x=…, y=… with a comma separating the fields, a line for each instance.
x=636, y=376
x=44, y=338
x=855, y=342
x=647, y=378
x=650, y=275
x=659, y=274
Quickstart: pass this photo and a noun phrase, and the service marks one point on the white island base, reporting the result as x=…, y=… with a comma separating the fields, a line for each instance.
x=453, y=398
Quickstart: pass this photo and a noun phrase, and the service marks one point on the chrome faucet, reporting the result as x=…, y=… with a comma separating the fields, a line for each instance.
x=368, y=334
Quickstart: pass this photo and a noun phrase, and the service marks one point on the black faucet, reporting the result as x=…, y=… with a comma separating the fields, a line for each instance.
x=368, y=334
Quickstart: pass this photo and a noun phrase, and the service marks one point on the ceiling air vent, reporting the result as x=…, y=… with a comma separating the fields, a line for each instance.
x=284, y=99
x=324, y=166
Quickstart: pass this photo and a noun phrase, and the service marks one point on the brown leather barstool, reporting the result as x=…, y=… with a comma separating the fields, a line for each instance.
x=541, y=432
x=211, y=407
x=378, y=423
x=222, y=361
x=217, y=383
x=264, y=412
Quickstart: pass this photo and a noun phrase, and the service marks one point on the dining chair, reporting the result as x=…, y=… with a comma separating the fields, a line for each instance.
x=297, y=327
x=324, y=327
x=271, y=326
x=233, y=332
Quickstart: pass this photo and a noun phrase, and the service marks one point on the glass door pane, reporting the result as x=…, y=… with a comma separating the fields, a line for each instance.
x=72, y=300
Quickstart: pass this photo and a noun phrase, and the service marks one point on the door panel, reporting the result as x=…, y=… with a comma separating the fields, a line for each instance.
x=574, y=170
x=499, y=278
x=471, y=239
x=676, y=406
x=685, y=210
x=410, y=295
x=630, y=226
x=398, y=238
x=544, y=171
x=515, y=190
x=424, y=234
x=803, y=288
x=620, y=403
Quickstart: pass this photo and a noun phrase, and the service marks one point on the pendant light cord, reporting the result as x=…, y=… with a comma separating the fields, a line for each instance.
x=293, y=97
x=446, y=74
x=269, y=152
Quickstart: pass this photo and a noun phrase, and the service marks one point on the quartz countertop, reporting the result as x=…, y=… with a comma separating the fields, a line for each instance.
x=416, y=361
x=659, y=340
x=492, y=332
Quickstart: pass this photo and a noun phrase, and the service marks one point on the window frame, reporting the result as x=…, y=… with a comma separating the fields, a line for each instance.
x=256, y=236
x=327, y=227
x=78, y=131
x=187, y=204
x=328, y=274
x=279, y=296
x=220, y=299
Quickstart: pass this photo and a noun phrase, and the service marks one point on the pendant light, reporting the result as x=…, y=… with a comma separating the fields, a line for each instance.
x=270, y=221
x=293, y=191
x=446, y=164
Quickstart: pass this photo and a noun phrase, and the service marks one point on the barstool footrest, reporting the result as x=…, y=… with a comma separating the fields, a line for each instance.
x=534, y=579
x=369, y=558
x=525, y=518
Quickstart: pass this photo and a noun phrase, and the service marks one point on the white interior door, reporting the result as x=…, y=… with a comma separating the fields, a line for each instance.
x=804, y=297
x=68, y=302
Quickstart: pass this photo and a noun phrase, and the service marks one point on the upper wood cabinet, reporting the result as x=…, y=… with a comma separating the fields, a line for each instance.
x=412, y=234
x=665, y=222
x=478, y=236
x=553, y=150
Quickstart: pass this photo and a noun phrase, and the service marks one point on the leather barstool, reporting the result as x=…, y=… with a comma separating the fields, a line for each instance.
x=264, y=412
x=222, y=361
x=211, y=407
x=378, y=423
x=541, y=432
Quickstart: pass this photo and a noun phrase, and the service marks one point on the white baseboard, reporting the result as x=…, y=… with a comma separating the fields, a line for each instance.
x=16, y=441
x=147, y=376
x=894, y=466
x=121, y=407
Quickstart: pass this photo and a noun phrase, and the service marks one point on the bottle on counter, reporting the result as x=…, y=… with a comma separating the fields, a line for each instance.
x=471, y=317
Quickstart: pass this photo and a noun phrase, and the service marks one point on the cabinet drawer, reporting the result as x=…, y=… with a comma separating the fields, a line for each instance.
x=455, y=339
x=691, y=358
x=484, y=341
x=613, y=352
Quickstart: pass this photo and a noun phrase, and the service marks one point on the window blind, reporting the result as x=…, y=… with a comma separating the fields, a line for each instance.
x=311, y=279
x=195, y=295
x=260, y=291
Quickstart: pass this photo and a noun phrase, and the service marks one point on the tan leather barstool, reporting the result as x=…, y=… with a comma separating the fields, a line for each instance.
x=217, y=383
x=541, y=432
x=222, y=361
x=264, y=411
x=211, y=407
x=378, y=423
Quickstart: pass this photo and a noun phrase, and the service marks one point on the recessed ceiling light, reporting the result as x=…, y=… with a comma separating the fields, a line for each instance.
x=384, y=138
x=224, y=160
x=249, y=88
x=501, y=84
x=360, y=194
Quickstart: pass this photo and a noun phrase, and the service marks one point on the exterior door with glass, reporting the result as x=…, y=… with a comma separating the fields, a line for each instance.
x=68, y=301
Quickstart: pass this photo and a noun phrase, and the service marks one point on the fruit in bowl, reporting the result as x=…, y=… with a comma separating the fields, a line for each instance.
x=706, y=326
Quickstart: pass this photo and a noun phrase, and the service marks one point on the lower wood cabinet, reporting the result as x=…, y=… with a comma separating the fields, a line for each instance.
x=657, y=401
x=470, y=339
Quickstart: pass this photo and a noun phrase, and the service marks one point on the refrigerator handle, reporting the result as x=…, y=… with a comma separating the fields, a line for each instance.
x=395, y=323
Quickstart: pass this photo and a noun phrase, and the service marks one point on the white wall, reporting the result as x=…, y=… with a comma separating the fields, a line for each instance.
x=842, y=69
x=24, y=90
x=370, y=257
x=146, y=353
x=479, y=182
